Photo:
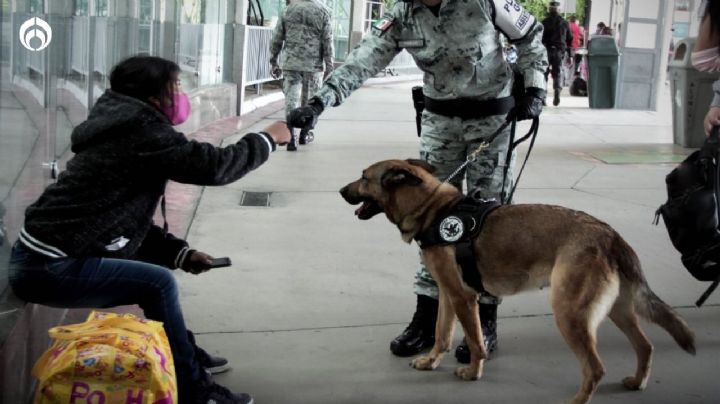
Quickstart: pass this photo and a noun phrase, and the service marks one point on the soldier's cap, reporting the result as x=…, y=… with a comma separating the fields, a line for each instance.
x=554, y=4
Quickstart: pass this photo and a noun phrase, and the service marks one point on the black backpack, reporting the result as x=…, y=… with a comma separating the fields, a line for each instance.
x=578, y=88
x=692, y=213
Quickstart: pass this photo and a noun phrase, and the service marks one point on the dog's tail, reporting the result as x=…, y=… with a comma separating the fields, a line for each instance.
x=647, y=303
x=651, y=307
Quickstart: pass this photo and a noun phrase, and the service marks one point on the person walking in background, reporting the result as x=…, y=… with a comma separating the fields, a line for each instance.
x=601, y=28
x=556, y=38
x=577, y=38
x=304, y=33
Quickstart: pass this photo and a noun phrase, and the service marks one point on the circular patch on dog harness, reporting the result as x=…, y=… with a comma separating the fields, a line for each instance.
x=451, y=229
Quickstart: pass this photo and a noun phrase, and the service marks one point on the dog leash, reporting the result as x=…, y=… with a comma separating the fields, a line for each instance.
x=531, y=134
x=484, y=145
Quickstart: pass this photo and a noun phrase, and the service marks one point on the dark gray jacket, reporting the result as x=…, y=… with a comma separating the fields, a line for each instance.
x=125, y=152
x=556, y=32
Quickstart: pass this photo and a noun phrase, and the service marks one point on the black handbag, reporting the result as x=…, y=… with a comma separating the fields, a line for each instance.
x=692, y=213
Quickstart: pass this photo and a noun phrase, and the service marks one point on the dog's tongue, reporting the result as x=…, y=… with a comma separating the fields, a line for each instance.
x=362, y=207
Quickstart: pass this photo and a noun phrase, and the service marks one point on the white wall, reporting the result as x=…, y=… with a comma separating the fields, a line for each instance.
x=611, y=12
x=697, y=10
x=600, y=12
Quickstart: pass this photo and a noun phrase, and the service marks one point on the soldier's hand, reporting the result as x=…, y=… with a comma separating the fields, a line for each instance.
x=276, y=71
x=530, y=105
x=279, y=131
x=328, y=70
x=306, y=117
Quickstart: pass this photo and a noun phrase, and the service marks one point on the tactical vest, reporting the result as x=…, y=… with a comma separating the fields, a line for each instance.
x=460, y=227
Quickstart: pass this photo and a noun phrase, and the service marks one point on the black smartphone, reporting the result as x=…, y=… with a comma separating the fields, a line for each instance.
x=221, y=262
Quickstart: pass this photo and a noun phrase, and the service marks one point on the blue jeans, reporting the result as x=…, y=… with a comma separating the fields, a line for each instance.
x=103, y=283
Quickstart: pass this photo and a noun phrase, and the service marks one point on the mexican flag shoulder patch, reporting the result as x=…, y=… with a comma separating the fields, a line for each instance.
x=383, y=24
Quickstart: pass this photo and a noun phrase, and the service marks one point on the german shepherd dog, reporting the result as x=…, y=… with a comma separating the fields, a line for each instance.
x=591, y=270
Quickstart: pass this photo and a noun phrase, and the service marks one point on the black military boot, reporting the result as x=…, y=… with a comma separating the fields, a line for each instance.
x=293, y=144
x=488, y=322
x=556, y=99
x=306, y=136
x=420, y=334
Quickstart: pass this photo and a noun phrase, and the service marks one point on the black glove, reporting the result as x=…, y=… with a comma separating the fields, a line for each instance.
x=275, y=71
x=306, y=117
x=530, y=105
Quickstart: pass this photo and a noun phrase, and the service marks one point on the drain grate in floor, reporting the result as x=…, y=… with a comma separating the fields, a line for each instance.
x=255, y=199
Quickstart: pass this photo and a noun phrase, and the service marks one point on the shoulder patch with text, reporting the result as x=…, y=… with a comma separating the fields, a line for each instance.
x=512, y=19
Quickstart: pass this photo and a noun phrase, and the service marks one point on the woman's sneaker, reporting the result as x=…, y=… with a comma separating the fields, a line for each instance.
x=209, y=392
x=213, y=364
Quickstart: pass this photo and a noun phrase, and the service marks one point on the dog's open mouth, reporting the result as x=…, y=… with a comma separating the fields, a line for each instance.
x=368, y=209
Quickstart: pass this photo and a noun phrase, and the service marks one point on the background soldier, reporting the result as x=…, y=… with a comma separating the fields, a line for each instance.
x=467, y=90
x=556, y=38
x=305, y=30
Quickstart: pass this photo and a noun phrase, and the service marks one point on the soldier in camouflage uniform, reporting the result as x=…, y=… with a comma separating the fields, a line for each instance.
x=306, y=32
x=467, y=87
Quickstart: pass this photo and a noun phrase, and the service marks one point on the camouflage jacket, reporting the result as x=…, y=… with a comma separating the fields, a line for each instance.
x=459, y=51
x=306, y=32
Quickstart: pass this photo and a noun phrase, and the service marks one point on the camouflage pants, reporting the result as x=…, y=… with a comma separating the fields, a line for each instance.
x=299, y=87
x=446, y=143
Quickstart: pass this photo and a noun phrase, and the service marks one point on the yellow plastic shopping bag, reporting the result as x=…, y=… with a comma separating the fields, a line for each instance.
x=108, y=359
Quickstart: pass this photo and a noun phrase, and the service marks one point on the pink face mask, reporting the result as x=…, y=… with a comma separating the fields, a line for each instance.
x=179, y=111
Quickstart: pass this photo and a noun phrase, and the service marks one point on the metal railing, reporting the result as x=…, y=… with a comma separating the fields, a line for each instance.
x=102, y=47
x=257, y=62
x=5, y=38
x=79, y=46
x=36, y=61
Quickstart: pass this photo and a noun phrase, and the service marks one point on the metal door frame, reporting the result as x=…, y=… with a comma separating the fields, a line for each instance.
x=658, y=51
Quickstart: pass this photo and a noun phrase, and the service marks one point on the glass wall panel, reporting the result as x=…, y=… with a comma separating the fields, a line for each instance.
x=26, y=124
x=46, y=91
x=204, y=41
x=341, y=26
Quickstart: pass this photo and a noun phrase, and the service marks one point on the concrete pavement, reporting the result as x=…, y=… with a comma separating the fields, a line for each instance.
x=307, y=311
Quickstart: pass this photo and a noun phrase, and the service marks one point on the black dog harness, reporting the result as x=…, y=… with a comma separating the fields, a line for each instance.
x=460, y=226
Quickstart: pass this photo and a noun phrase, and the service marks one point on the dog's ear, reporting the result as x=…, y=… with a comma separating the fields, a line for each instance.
x=398, y=176
x=422, y=164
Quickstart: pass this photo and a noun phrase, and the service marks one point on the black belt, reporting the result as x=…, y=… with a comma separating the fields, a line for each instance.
x=470, y=108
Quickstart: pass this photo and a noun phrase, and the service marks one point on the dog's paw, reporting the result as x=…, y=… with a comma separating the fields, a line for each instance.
x=632, y=383
x=468, y=373
x=424, y=363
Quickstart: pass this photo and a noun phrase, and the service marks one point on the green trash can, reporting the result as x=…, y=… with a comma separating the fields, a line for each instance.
x=603, y=58
x=692, y=94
